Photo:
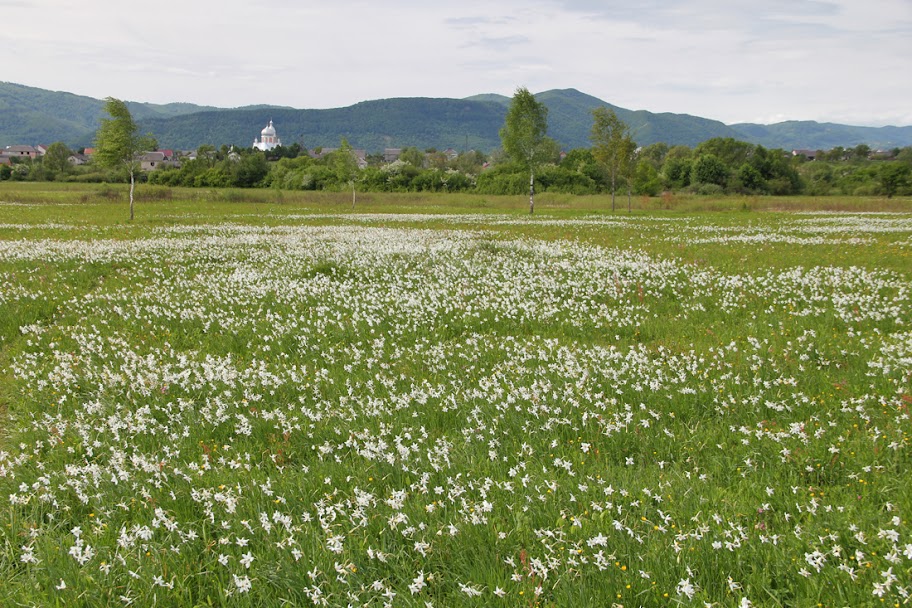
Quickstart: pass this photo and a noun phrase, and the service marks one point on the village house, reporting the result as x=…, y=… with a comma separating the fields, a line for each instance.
x=808, y=154
x=19, y=151
x=150, y=161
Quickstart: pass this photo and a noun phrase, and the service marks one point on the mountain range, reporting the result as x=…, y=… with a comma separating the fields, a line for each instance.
x=30, y=115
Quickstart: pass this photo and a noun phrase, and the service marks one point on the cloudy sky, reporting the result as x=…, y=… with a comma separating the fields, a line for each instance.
x=846, y=61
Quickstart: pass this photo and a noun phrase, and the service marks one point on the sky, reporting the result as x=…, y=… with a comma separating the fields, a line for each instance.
x=846, y=61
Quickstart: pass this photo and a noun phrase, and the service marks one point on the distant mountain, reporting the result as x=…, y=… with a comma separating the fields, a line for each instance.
x=29, y=115
x=570, y=120
x=32, y=116
x=36, y=116
x=371, y=125
x=822, y=136
x=501, y=99
x=474, y=123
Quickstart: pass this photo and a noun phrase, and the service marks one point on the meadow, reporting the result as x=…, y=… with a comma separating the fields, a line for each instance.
x=264, y=399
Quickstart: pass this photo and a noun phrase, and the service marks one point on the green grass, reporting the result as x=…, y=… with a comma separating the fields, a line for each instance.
x=575, y=409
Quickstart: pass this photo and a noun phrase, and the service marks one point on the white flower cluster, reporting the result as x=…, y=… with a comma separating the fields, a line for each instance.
x=361, y=415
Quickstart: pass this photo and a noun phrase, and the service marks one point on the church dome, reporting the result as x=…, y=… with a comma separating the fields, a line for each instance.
x=268, y=139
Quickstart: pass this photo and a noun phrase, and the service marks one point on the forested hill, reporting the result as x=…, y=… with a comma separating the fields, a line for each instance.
x=372, y=125
x=30, y=115
x=572, y=111
x=808, y=134
x=36, y=116
x=424, y=123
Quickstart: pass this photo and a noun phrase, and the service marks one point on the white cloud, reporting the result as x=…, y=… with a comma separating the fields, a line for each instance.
x=729, y=60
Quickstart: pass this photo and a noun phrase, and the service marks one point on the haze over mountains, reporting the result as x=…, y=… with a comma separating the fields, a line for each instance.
x=30, y=115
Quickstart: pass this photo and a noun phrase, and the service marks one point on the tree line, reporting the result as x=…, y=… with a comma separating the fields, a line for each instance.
x=528, y=162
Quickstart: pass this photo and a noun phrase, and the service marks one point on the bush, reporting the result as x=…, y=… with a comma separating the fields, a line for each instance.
x=677, y=173
x=818, y=178
x=437, y=180
x=498, y=182
x=646, y=179
x=216, y=177
x=866, y=190
x=707, y=189
x=92, y=177
x=560, y=179
x=750, y=179
x=708, y=169
x=782, y=186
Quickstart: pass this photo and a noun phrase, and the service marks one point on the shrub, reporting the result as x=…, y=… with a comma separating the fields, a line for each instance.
x=707, y=189
x=708, y=169
x=497, y=182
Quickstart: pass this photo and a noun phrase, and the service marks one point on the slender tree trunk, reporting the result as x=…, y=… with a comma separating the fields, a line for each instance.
x=531, y=192
x=353, y=196
x=132, y=182
x=628, y=197
x=613, y=188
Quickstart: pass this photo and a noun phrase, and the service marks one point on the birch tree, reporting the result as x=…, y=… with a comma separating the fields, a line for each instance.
x=612, y=145
x=118, y=142
x=345, y=165
x=523, y=136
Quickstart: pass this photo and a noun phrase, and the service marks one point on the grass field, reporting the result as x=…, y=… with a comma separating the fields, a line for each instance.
x=265, y=399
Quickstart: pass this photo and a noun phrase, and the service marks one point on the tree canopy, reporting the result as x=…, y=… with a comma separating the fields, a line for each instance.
x=57, y=157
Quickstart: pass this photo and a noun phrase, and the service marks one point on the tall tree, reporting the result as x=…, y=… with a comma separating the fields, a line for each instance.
x=206, y=154
x=861, y=151
x=413, y=156
x=345, y=166
x=118, y=141
x=708, y=169
x=524, y=136
x=612, y=145
x=894, y=178
x=57, y=157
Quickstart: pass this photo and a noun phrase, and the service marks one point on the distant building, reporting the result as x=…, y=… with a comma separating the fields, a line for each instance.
x=21, y=152
x=152, y=160
x=808, y=154
x=391, y=154
x=159, y=159
x=268, y=139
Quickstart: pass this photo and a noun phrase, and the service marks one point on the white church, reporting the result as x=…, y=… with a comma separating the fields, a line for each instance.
x=268, y=139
